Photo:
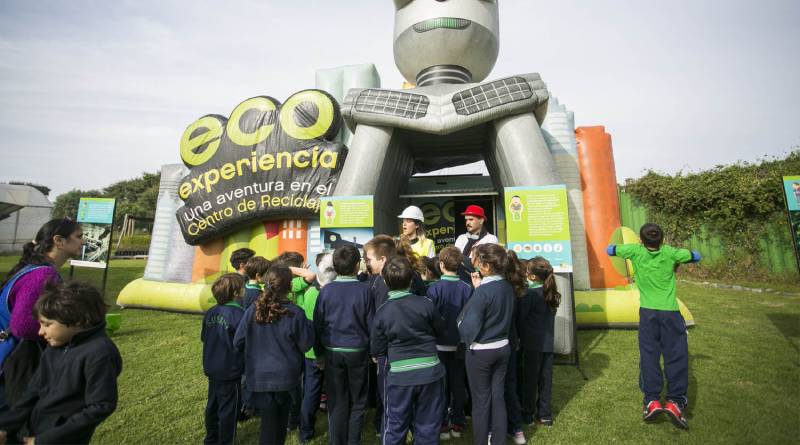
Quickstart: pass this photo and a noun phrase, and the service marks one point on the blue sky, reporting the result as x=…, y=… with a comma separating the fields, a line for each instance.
x=92, y=92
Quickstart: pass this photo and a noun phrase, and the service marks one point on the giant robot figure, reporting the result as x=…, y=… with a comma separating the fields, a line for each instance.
x=446, y=48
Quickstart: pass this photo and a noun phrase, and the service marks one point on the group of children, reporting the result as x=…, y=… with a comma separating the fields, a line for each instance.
x=406, y=327
x=279, y=330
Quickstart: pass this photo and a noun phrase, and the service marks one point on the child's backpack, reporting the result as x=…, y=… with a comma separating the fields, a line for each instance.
x=8, y=341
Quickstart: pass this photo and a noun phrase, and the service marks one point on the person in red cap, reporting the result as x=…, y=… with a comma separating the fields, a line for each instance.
x=474, y=218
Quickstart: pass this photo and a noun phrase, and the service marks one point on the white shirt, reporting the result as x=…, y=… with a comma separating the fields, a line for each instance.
x=462, y=240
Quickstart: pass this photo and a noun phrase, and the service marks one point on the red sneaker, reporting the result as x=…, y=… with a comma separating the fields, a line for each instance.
x=676, y=414
x=652, y=410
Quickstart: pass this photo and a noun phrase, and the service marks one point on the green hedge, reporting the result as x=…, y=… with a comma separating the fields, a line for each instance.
x=736, y=204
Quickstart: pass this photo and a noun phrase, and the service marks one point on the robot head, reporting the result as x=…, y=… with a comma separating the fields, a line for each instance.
x=445, y=41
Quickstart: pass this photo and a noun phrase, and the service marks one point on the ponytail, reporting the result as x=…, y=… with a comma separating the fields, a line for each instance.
x=403, y=248
x=503, y=263
x=270, y=304
x=543, y=271
x=36, y=252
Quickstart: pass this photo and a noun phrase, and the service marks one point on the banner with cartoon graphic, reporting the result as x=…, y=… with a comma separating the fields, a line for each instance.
x=791, y=188
x=96, y=216
x=537, y=224
x=345, y=221
x=266, y=161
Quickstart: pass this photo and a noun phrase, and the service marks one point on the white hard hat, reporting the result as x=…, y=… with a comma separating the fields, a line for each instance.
x=412, y=212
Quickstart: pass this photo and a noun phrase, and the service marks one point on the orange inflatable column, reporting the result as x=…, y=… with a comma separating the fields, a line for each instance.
x=207, y=259
x=600, y=202
x=293, y=237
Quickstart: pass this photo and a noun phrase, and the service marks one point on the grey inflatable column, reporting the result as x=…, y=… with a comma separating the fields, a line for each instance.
x=169, y=257
x=563, y=340
x=337, y=81
x=518, y=154
x=558, y=129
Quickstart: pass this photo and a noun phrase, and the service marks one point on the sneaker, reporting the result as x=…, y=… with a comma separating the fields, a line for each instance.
x=675, y=412
x=444, y=433
x=455, y=431
x=544, y=421
x=518, y=437
x=652, y=410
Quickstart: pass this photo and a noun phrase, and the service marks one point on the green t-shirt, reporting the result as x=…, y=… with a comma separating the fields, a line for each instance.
x=308, y=304
x=655, y=273
x=299, y=286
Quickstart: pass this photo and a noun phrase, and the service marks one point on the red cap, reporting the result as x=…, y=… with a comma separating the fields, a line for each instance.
x=473, y=210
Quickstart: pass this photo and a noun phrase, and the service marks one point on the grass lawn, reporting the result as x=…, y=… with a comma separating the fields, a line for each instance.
x=744, y=377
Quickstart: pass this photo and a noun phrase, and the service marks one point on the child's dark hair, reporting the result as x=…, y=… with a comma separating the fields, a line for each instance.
x=73, y=303
x=543, y=271
x=451, y=257
x=432, y=267
x=227, y=287
x=35, y=252
x=651, y=235
x=290, y=259
x=240, y=257
x=397, y=273
x=257, y=265
x=498, y=260
x=345, y=260
x=278, y=283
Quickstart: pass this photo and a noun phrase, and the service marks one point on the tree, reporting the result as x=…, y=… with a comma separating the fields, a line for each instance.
x=66, y=204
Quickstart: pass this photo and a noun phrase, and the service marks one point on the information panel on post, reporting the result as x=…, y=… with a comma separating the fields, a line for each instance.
x=96, y=216
x=346, y=221
x=537, y=224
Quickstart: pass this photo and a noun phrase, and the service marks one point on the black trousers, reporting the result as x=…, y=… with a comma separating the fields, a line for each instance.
x=346, y=383
x=222, y=410
x=513, y=409
x=456, y=387
x=663, y=333
x=486, y=371
x=312, y=390
x=537, y=384
x=273, y=407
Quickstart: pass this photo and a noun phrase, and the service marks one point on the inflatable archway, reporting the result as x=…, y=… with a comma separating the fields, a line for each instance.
x=255, y=177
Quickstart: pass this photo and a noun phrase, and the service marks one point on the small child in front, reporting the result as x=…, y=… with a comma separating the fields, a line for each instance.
x=342, y=321
x=536, y=316
x=222, y=364
x=405, y=331
x=450, y=295
x=255, y=269
x=662, y=330
x=273, y=335
x=75, y=386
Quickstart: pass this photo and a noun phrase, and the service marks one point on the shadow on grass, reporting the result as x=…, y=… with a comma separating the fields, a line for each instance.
x=694, y=389
x=789, y=327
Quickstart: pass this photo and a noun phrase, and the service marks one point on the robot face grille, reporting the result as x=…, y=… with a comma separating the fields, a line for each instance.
x=490, y=95
x=393, y=103
x=441, y=22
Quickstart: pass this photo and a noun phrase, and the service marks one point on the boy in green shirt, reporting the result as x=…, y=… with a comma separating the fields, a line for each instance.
x=662, y=330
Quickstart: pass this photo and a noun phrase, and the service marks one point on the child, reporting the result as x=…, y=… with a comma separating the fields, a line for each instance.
x=513, y=406
x=255, y=269
x=449, y=295
x=662, y=330
x=222, y=364
x=405, y=331
x=312, y=375
x=303, y=278
x=535, y=323
x=431, y=272
x=342, y=320
x=273, y=335
x=485, y=326
x=75, y=386
x=239, y=258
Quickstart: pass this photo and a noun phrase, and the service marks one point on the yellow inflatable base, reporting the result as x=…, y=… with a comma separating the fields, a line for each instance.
x=180, y=297
x=600, y=308
x=613, y=308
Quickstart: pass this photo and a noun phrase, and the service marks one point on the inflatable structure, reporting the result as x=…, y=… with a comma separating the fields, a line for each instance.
x=255, y=178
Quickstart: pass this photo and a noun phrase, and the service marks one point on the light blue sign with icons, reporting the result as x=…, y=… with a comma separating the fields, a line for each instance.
x=96, y=210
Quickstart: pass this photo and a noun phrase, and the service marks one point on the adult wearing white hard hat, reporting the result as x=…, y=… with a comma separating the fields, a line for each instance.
x=413, y=232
